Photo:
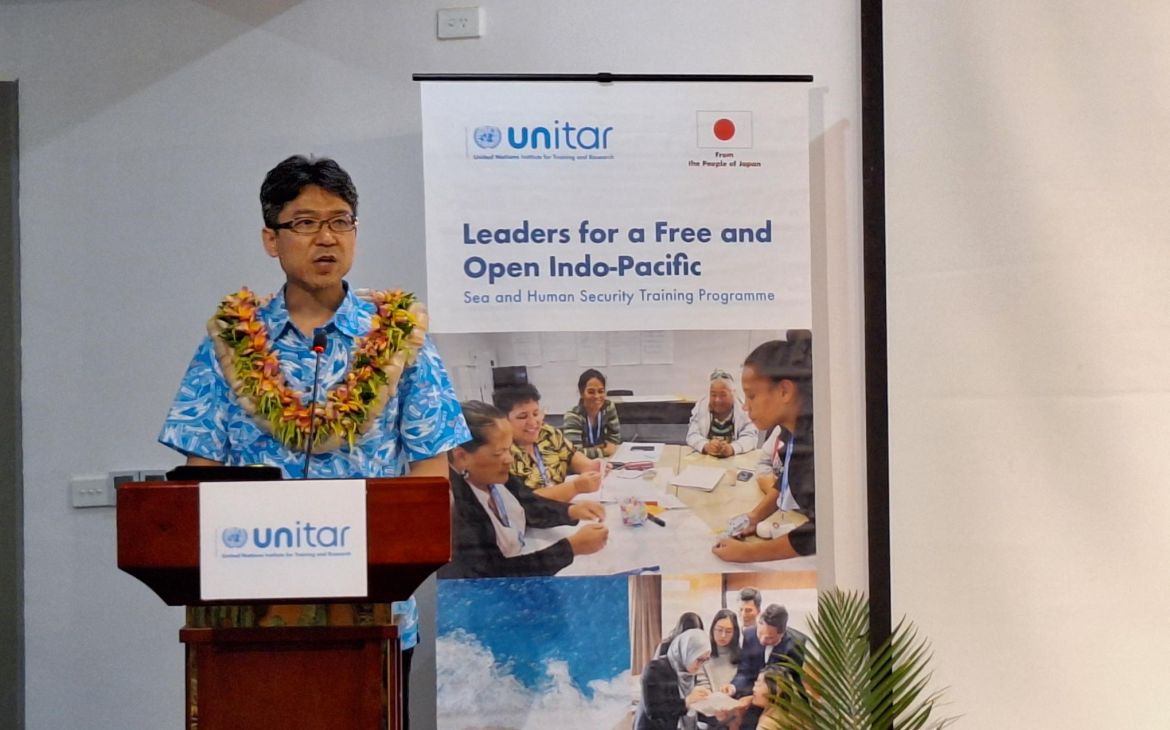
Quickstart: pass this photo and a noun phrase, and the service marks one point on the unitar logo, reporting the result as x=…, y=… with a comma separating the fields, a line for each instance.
x=556, y=136
x=299, y=535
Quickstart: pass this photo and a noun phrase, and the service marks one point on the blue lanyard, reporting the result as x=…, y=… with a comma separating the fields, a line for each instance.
x=498, y=501
x=784, y=475
x=540, y=465
x=502, y=511
x=594, y=437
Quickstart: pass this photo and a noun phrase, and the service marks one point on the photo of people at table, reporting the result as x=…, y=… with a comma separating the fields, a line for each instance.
x=679, y=652
x=718, y=476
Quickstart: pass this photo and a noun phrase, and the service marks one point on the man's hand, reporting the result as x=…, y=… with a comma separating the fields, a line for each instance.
x=588, y=539
x=609, y=449
x=587, y=511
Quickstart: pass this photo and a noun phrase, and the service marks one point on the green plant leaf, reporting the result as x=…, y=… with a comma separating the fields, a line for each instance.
x=840, y=684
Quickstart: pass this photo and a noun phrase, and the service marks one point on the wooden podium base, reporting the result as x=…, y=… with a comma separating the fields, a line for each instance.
x=293, y=678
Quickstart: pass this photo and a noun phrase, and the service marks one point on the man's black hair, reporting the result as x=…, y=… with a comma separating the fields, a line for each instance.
x=285, y=182
x=753, y=595
x=775, y=616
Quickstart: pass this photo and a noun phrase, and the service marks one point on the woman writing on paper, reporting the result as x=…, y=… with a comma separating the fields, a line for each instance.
x=670, y=685
x=493, y=509
x=592, y=425
x=542, y=458
x=777, y=385
x=719, y=427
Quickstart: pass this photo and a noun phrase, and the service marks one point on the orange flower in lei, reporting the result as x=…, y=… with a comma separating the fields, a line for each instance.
x=253, y=370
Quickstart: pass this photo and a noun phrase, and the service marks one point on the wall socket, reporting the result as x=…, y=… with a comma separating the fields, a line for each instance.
x=459, y=23
x=101, y=490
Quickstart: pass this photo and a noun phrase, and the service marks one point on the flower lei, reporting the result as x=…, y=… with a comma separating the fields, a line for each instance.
x=245, y=354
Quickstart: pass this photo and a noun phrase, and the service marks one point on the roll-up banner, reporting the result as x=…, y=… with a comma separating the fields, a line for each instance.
x=602, y=259
x=574, y=206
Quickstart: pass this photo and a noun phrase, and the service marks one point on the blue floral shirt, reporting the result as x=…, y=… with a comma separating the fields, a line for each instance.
x=422, y=420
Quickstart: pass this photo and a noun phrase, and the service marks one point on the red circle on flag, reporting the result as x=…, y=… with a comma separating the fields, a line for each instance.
x=724, y=129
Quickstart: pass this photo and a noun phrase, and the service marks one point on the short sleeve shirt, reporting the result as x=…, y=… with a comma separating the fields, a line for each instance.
x=423, y=418
x=555, y=452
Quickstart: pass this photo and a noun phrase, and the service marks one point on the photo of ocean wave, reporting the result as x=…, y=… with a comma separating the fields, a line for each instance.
x=522, y=654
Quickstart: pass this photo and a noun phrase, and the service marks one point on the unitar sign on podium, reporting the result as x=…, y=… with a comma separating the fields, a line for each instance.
x=323, y=541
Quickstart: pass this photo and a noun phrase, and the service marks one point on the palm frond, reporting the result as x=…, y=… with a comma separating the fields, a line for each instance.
x=840, y=684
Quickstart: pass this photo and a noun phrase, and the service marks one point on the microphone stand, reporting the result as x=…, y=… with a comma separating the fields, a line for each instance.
x=318, y=348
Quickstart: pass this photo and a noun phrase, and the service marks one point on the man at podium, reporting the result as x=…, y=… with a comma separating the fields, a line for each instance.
x=384, y=407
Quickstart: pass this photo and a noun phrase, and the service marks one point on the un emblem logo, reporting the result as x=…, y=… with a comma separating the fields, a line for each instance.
x=235, y=537
x=487, y=137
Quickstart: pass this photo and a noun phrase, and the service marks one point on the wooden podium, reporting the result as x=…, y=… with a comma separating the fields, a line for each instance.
x=291, y=677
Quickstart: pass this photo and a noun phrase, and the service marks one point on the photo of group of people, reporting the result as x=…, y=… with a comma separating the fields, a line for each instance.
x=711, y=476
x=689, y=652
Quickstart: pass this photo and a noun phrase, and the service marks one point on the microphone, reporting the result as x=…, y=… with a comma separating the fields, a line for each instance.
x=318, y=348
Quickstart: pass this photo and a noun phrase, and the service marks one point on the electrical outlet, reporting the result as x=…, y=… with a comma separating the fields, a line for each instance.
x=92, y=490
x=460, y=23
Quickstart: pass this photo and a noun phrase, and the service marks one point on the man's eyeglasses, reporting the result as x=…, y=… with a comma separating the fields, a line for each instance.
x=340, y=224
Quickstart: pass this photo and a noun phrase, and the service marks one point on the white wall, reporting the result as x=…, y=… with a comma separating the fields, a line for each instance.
x=146, y=127
x=470, y=357
x=1029, y=202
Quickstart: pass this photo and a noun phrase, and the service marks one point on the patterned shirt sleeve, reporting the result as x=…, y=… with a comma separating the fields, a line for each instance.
x=525, y=468
x=197, y=422
x=573, y=428
x=431, y=421
x=613, y=426
x=557, y=452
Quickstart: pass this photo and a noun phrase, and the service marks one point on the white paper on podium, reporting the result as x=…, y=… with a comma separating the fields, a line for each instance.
x=288, y=539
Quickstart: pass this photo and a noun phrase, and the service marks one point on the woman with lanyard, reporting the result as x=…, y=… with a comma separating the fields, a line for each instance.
x=777, y=385
x=493, y=509
x=592, y=425
x=671, y=684
x=542, y=457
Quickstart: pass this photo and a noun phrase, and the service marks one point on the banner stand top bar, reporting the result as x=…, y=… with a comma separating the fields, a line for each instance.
x=608, y=78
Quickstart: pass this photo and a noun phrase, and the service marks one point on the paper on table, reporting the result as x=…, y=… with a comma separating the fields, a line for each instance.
x=715, y=702
x=699, y=477
x=632, y=451
x=619, y=485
